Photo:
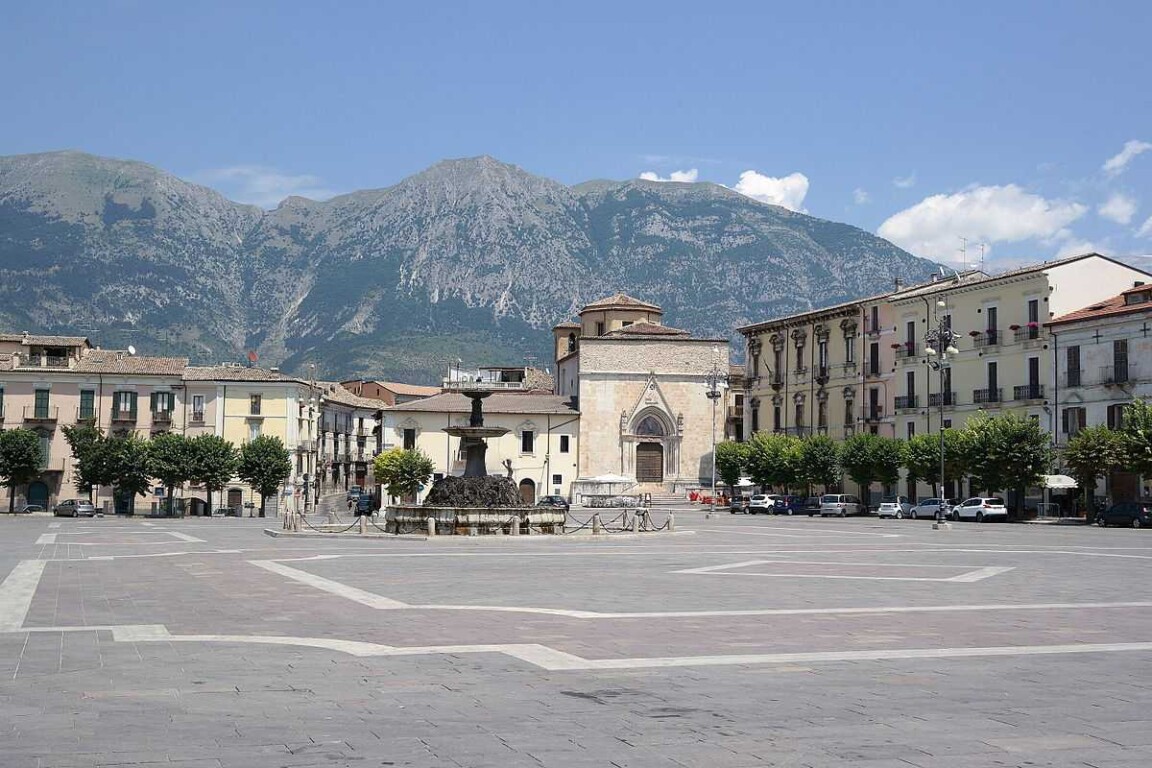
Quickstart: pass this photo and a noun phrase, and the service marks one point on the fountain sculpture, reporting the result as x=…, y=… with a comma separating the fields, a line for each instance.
x=476, y=502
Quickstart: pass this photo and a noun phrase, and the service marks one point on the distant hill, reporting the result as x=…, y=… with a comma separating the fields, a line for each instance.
x=471, y=259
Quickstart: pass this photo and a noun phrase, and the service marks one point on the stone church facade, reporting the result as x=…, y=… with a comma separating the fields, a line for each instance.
x=641, y=388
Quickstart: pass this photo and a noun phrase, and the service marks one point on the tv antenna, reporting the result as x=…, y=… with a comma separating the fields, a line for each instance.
x=963, y=252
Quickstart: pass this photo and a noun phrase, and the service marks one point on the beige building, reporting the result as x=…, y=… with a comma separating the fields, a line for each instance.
x=541, y=446
x=349, y=438
x=641, y=388
x=388, y=392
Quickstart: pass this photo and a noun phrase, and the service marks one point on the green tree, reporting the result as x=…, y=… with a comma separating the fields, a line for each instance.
x=1137, y=433
x=126, y=462
x=819, y=461
x=858, y=458
x=89, y=454
x=774, y=460
x=1091, y=453
x=214, y=462
x=21, y=460
x=1006, y=452
x=922, y=460
x=731, y=460
x=170, y=462
x=264, y=465
x=402, y=471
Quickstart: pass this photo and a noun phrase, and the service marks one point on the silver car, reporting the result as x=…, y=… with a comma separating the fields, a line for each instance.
x=74, y=508
x=839, y=504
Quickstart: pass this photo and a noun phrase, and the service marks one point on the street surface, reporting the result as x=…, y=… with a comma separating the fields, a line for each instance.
x=752, y=641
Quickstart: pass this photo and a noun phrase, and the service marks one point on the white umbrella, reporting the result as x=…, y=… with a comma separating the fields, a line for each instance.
x=1057, y=482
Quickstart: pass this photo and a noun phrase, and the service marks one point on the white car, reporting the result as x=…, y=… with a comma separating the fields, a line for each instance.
x=761, y=502
x=927, y=509
x=895, y=506
x=980, y=508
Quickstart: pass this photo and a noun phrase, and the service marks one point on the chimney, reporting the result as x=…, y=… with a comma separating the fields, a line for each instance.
x=274, y=370
x=1138, y=284
x=934, y=277
x=899, y=283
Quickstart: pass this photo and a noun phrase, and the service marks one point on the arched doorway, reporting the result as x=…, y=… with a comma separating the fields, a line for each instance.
x=38, y=494
x=650, y=463
x=527, y=491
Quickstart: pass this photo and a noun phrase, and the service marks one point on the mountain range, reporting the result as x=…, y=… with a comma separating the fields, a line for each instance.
x=471, y=259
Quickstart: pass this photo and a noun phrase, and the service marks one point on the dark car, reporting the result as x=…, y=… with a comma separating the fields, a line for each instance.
x=29, y=509
x=793, y=505
x=738, y=504
x=354, y=492
x=1137, y=514
x=553, y=501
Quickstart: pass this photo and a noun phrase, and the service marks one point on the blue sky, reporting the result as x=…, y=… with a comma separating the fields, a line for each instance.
x=1026, y=126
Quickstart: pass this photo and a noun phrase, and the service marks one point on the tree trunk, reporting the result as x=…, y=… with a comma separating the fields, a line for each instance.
x=11, y=499
x=209, y=500
x=262, y=500
x=170, y=489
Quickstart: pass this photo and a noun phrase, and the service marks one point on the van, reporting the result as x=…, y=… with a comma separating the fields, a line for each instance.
x=839, y=504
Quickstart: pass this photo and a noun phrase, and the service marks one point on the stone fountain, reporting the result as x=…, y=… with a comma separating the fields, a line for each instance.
x=475, y=503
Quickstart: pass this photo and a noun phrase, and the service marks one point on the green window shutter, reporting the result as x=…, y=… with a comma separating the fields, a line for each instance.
x=133, y=398
x=152, y=403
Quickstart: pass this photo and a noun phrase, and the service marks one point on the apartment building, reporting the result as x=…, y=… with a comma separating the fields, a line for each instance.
x=349, y=437
x=388, y=392
x=1103, y=359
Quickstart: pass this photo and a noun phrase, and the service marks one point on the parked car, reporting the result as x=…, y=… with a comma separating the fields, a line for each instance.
x=927, y=508
x=790, y=505
x=354, y=492
x=980, y=508
x=28, y=509
x=898, y=507
x=559, y=502
x=761, y=502
x=74, y=508
x=738, y=504
x=812, y=506
x=1137, y=514
x=840, y=504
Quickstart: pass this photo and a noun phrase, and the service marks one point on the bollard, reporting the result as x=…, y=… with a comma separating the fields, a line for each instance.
x=596, y=524
x=514, y=529
x=635, y=523
x=363, y=525
x=431, y=523
x=671, y=522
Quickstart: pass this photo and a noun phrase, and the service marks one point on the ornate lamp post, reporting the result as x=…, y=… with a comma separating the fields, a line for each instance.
x=939, y=346
x=715, y=379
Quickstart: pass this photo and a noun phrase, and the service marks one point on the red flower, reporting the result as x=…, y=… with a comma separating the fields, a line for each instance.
x=973, y=333
x=1014, y=327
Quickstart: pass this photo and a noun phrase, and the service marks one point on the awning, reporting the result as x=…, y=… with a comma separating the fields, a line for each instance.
x=1057, y=482
x=745, y=482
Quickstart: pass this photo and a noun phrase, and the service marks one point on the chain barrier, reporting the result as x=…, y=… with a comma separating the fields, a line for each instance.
x=321, y=530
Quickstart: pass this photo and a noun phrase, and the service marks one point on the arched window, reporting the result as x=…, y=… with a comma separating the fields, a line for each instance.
x=650, y=425
x=571, y=342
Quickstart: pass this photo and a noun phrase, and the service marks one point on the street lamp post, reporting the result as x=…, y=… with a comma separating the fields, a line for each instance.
x=939, y=346
x=715, y=380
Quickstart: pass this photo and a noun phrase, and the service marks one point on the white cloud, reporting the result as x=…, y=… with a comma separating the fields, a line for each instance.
x=787, y=192
x=1118, y=208
x=905, y=182
x=689, y=176
x=263, y=186
x=1076, y=247
x=861, y=196
x=991, y=214
x=1145, y=228
x=1116, y=165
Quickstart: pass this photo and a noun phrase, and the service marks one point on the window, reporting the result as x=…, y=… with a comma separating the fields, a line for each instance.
x=124, y=402
x=992, y=319
x=911, y=430
x=822, y=354
x=254, y=405
x=850, y=349
x=557, y=479
x=799, y=415
x=45, y=448
x=527, y=441
x=600, y=328
x=1120, y=360
x=41, y=404
x=948, y=321
x=198, y=407
x=410, y=439
x=755, y=417
x=1073, y=420
x=253, y=430
x=776, y=425
x=649, y=425
x=874, y=358
x=822, y=414
x=1116, y=416
x=874, y=320
x=87, y=404
x=910, y=387
x=910, y=333
x=564, y=443
x=163, y=402
x=1, y=403
x=992, y=378
x=1072, y=356
x=849, y=412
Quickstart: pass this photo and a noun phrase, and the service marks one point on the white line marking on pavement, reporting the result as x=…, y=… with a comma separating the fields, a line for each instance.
x=16, y=593
x=746, y=529
x=730, y=570
x=554, y=660
x=46, y=538
x=167, y=554
x=333, y=587
x=53, y=525
x=184, y=537
x=148, y=524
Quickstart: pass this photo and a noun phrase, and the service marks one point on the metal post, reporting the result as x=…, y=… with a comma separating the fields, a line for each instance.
x=714, y=380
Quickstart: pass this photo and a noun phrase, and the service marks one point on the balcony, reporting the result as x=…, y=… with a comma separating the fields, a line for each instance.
x=1027, y=333
x=123, y=417
x=1028, y=392
x=820, y=374
x=45, y=361
x=1073, y=378
x=492, y=385
x=197, y=419
x=800, y=375
x=987, y=396
x=907, y=350
x=41, y=414
x=85, y=415
x=162, y=418
x=988, y=338
x=872, y=330
x=872, y=369
x=363, y=432
x=798, y=431
x=1116, y=374
x=936, y=399
x=907, y=402
x=776, y=380
x=305, y=446
x=849, y=368
x=873, y=415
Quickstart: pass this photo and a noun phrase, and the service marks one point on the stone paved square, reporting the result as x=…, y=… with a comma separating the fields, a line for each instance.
x=748, y=641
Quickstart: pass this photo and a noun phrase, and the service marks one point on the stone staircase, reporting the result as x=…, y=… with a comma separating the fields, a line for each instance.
x=332, y=507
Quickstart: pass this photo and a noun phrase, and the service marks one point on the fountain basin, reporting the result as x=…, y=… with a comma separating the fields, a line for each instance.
x=465, y=521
